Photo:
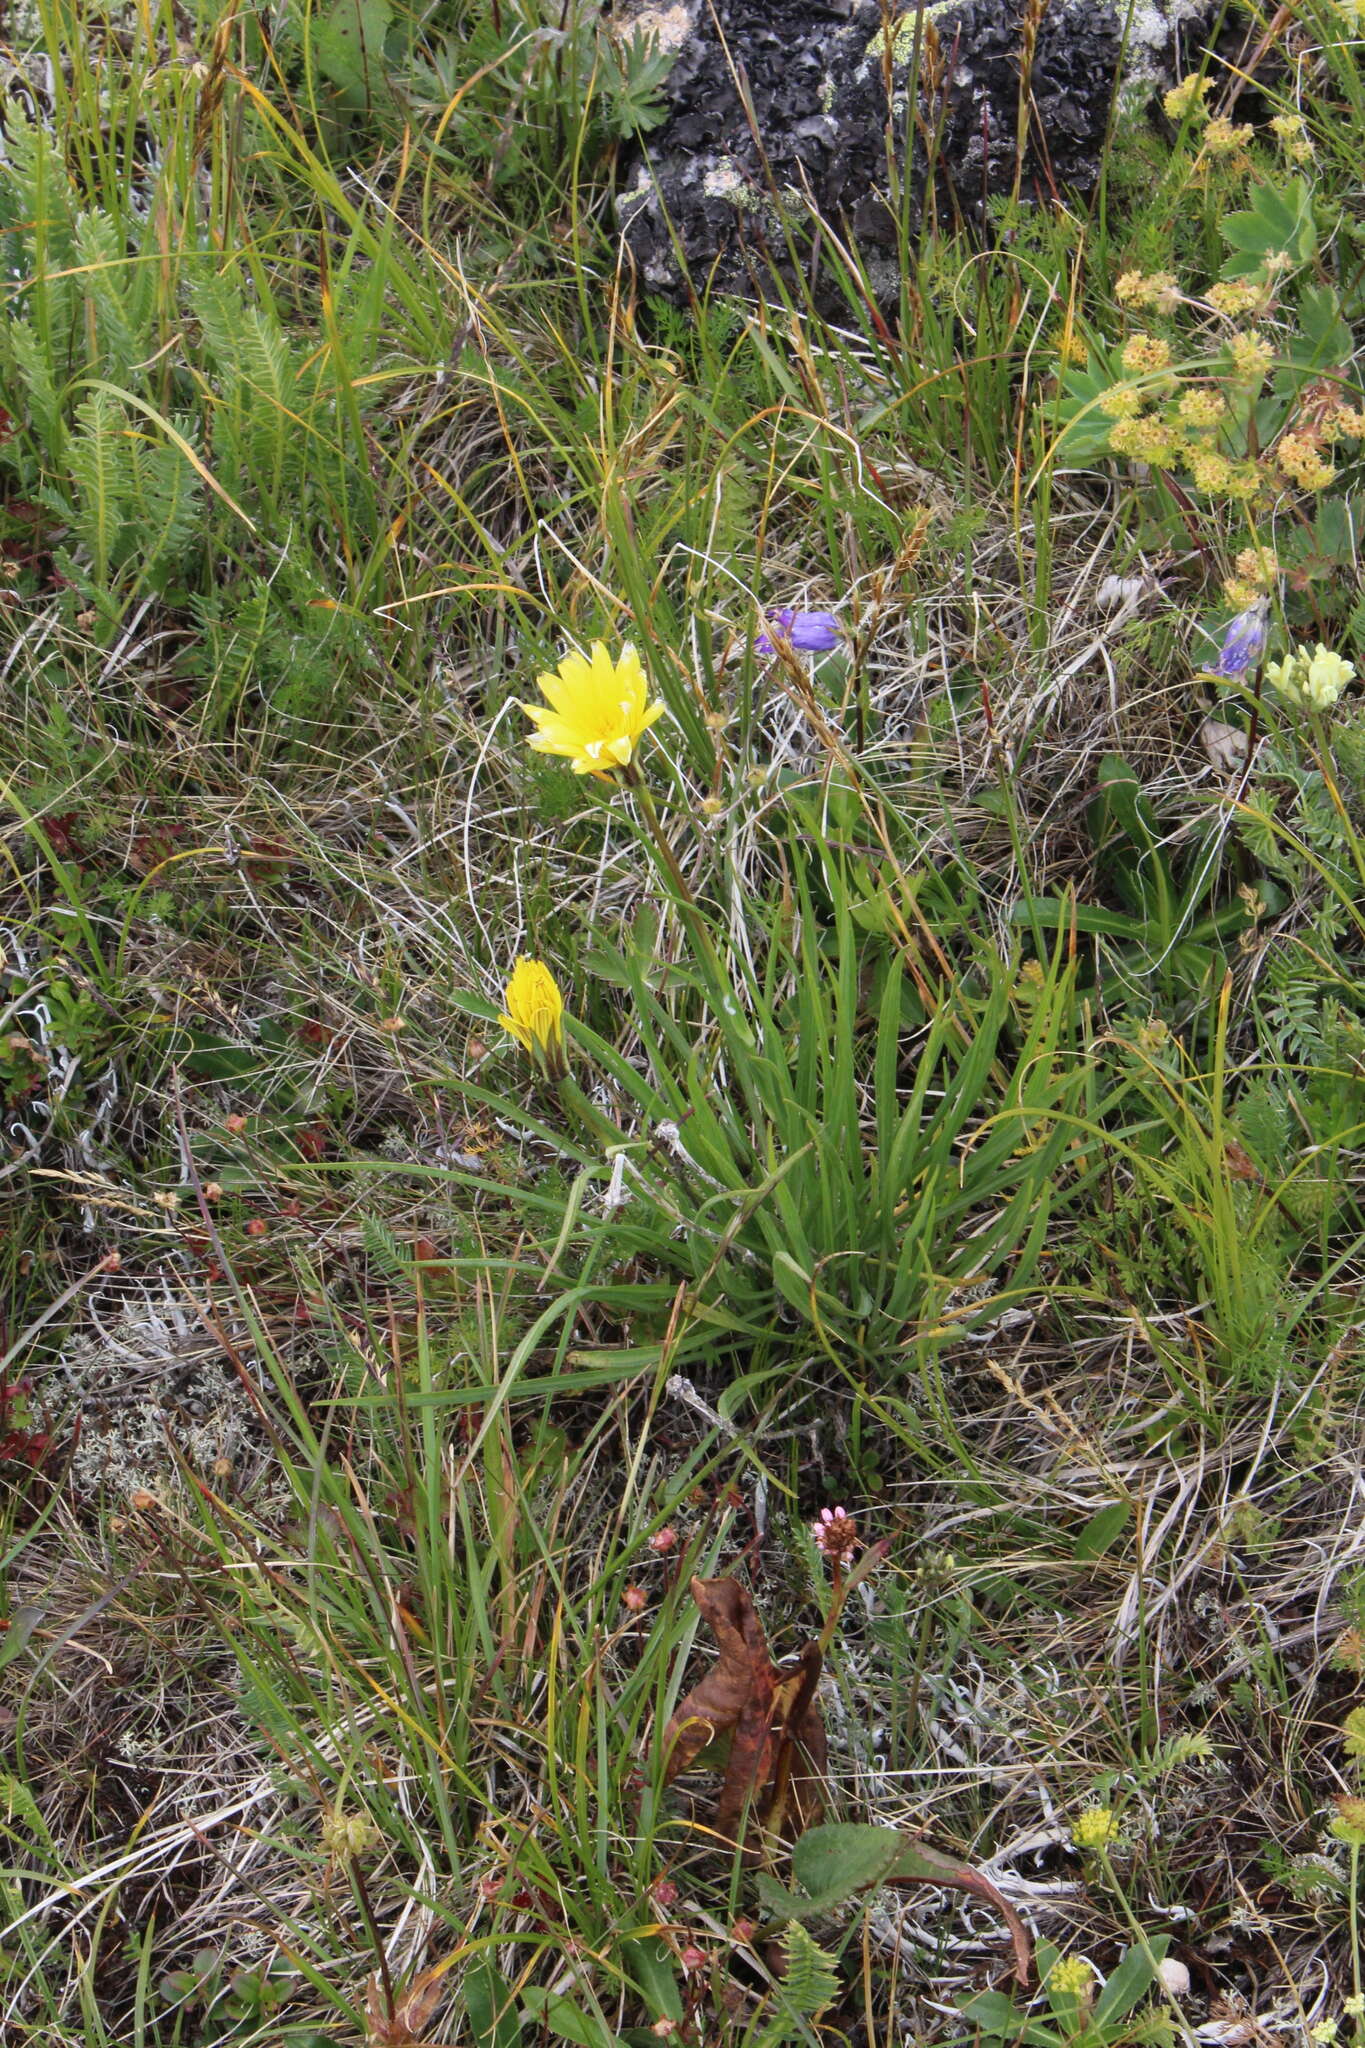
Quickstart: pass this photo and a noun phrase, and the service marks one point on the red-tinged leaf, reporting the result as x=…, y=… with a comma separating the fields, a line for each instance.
x=917, y=1863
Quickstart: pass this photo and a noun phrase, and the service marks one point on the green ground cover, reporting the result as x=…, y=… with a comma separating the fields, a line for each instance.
x=941, y=1097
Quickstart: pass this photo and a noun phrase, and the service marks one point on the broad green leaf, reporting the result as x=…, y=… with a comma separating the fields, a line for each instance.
x=651, y=1965
x=844, y=1857
x=490, y=2005
x=1130, y=1981
x=1102, y=1531
x=566, y=2020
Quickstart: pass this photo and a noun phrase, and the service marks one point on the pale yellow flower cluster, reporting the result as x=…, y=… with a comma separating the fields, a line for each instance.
x=1254, y=570
x=1121, y=402
x=1188, y=97
x=1289, y=132
x=1072, y=1977
x=1300, y=458
x=1146, y=355
x=1095, y=1828
x=1233, y=296
x=1221, y=138
x=1211, y=471
x=1252, y=356
x=1145, y=439
x=1159, y=290
x=1202, y=407
x=1314, y=681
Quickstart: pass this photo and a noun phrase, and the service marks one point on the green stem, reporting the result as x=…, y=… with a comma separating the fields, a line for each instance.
x=1327, y=765
x=723, y=999
x=1355, y=1922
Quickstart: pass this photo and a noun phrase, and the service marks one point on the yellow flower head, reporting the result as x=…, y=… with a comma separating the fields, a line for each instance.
x=1121, y=402
x=1252, y=357
x=1145, y=353
x=1073, y=1977
x=1233, y=296
x=595, y=711
x=1095, y=1828
x=1300, y=458
x=535, y=1012
x=1187, y=97
x=1259, y=565
x=1221, y=138
x=1210, y=470
x=1201, y=407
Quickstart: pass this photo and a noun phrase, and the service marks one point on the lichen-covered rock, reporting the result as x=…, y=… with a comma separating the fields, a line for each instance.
x=786, y=115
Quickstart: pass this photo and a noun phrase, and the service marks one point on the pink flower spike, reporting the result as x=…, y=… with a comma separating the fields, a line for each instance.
x=835, y=1534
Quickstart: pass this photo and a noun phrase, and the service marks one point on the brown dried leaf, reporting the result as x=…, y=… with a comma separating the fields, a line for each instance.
x=740, y=1679
x=403, y=2023
x=777, y=1754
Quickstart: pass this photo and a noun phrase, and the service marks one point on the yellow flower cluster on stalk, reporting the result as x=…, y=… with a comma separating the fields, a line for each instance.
x=1096, y=1828
x=1254, y=571
x=1073, y=1977
x=1187, y=98
x=1313, y=681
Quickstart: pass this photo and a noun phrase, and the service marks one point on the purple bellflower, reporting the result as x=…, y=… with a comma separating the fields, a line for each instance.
x=808, y=632
x=1242, y=644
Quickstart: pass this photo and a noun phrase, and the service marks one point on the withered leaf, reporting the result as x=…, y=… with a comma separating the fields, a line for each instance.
x=714, y=1707
x=777, y=1753
x=397, y=2017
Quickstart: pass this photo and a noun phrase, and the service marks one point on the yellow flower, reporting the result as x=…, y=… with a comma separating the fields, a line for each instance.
x=1201, y=407
x=1210, y=470
x=1316, y=680
x=1221, y=138
x=598, y=710
x=1244, y=482
x=1233, y=296
x=1161, y=290
x=1095, y=1828
x=1121, y=402
x=1327, y=677
x=1146, y=353
x=1252, y=357
x=1289, y=133
x=1073, y=1977
x=535, y=1012
x=1259, y=565
x=1299, y=457
x=1187, y=97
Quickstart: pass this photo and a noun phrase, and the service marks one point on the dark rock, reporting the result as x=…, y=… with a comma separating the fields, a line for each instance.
x=783, y=133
